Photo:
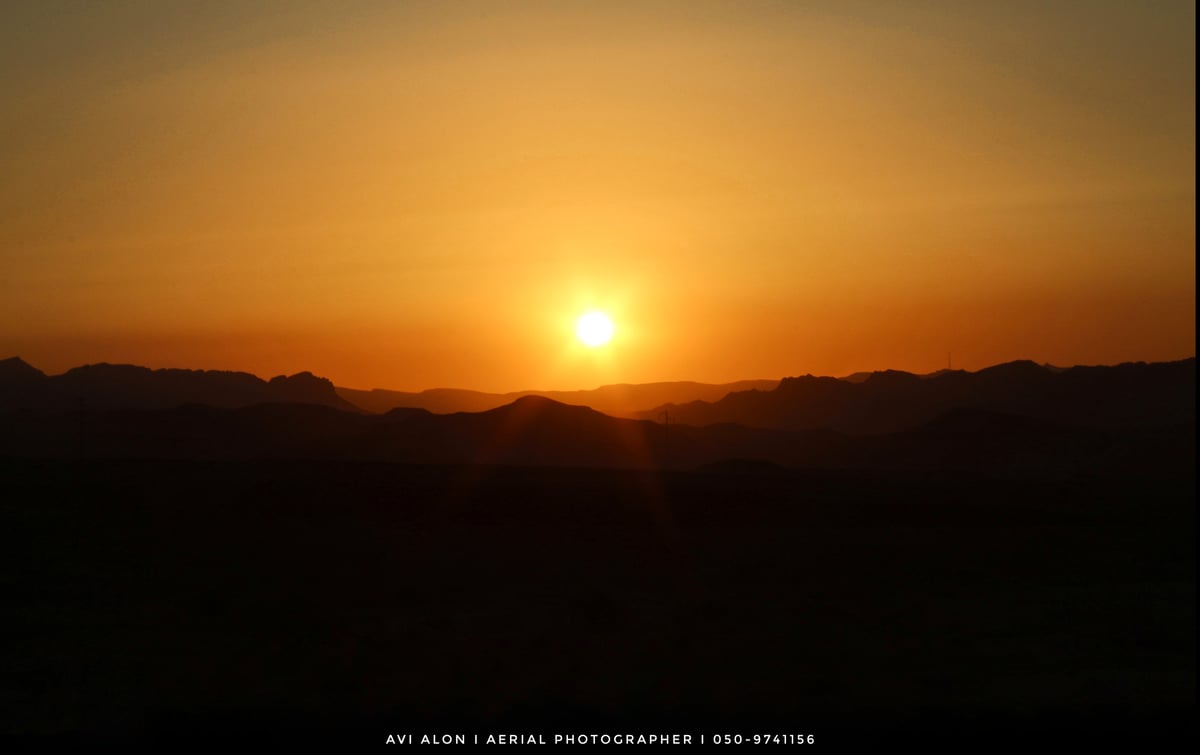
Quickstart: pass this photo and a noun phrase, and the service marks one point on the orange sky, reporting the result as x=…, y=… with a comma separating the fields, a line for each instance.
x=427, y=194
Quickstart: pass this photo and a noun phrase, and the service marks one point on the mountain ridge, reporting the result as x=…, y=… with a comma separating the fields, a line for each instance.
x=883, y=401
x=616, y=399
x=107, y=386
x=540, y=432
x=1130, y=393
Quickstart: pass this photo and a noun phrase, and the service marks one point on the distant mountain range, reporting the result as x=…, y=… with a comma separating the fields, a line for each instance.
x=1017, y=417
x=621, y=400
x=124, y=386
x=535, y=431
x=1125, y=395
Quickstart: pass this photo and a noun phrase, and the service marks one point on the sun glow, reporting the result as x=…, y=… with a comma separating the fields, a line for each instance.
x=594, y=329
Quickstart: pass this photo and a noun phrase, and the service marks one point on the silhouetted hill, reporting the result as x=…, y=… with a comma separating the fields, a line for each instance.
x=620, y=400
x=123, y=386
x=858, y=377
x=532, y=430
x=20, y=383
x=16, y=371
x=1125, y=395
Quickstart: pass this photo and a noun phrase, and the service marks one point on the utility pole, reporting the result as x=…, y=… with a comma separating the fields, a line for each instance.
x=666, y=438
x=82, y=431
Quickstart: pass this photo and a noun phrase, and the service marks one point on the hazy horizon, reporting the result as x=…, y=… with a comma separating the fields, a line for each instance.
x=578, y=389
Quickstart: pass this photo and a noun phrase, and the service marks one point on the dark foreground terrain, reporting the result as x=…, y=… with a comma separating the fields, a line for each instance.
x=171, y=603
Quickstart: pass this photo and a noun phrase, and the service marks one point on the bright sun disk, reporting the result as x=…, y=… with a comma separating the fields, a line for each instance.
x=594, y=329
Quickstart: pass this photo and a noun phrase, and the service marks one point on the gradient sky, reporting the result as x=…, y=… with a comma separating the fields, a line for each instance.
x=421, y=194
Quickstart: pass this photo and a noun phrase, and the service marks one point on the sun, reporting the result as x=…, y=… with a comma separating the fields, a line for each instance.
x=594, y=329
